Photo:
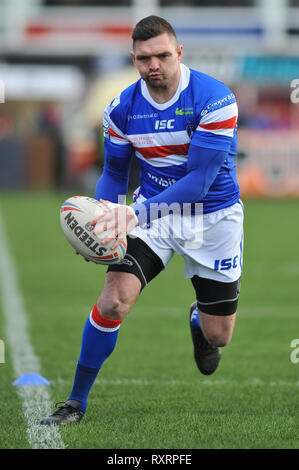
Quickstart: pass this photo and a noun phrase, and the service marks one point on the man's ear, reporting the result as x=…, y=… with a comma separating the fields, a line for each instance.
x=133, y=57
x=180, y=52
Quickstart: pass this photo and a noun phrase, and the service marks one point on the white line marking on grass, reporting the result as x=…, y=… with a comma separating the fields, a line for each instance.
x=210, y=382
x=35, y=399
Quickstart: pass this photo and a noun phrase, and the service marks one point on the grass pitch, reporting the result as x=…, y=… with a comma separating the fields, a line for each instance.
x=149, y=393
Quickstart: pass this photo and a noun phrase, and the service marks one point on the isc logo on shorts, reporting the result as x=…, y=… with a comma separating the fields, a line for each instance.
x=226, y=263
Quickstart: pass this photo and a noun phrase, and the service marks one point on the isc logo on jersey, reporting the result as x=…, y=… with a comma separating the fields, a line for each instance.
x=164, y=124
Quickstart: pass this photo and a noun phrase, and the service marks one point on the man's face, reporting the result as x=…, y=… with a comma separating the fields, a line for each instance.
x=158, y=60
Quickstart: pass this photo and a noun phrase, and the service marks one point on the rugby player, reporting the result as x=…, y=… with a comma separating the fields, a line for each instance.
x=181, y=124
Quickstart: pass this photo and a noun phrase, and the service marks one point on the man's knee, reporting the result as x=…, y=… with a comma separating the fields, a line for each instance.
x=113, y=308
x=218, y=338
x=118, y=296
x=218, y=330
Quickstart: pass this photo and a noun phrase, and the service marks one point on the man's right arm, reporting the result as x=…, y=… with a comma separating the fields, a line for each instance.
x=115, y=177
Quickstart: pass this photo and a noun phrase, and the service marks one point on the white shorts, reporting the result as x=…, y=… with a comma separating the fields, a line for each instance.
x=211, y=244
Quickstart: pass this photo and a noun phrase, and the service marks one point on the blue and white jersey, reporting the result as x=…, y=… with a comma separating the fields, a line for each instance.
x=203, y=112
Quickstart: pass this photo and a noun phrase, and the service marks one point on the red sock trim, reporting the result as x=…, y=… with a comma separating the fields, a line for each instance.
x=102, y=321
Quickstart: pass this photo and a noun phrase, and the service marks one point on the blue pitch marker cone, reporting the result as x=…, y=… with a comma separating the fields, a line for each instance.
x=30, y=379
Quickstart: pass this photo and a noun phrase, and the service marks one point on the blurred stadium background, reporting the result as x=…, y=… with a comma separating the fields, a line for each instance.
x=62, y=61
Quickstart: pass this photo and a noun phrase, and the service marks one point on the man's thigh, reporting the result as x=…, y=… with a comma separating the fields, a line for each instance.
x=140, y=261
x=217, y=304
x=126, y=279
x=216, y=298
x=220, y=256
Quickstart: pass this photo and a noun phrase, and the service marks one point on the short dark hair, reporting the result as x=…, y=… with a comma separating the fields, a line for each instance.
x=150, y=27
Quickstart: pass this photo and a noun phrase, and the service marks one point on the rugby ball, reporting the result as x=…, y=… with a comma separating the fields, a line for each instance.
x=75, y=216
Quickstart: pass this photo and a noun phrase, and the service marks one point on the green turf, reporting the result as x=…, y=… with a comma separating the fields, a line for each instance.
x=149, y=393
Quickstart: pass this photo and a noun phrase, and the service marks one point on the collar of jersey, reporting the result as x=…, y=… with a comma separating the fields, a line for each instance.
x=184, y=82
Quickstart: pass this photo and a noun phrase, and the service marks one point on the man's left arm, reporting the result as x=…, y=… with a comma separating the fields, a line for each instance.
x=203, y=165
